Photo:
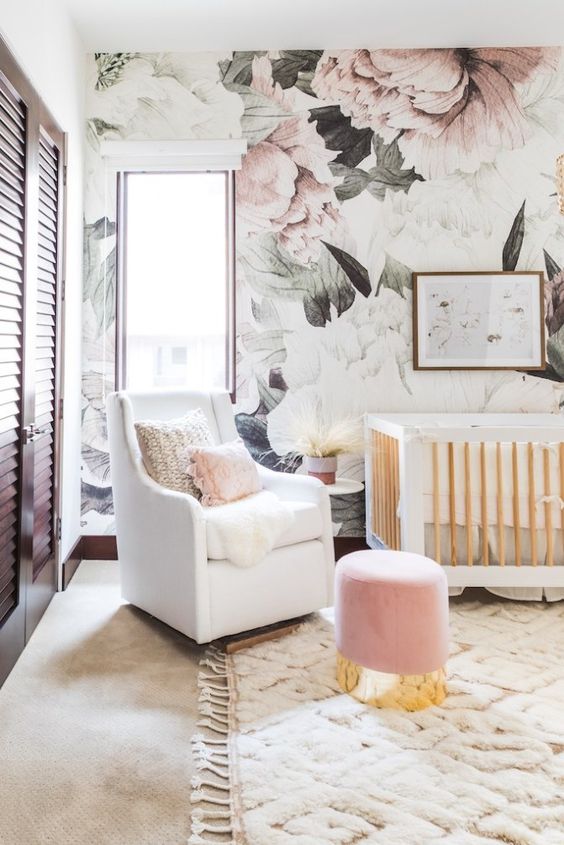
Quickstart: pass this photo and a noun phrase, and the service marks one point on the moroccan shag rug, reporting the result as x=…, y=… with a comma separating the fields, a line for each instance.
x=285, y=758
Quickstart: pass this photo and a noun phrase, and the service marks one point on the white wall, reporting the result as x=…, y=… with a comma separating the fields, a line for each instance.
x=43, y=39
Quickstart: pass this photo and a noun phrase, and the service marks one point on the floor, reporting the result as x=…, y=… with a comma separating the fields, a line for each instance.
x=95, y=723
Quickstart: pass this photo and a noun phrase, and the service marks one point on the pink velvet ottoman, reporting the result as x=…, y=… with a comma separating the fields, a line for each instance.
x=391, y=628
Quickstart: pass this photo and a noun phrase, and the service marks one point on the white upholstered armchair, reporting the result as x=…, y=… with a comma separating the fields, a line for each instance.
x=166, y=566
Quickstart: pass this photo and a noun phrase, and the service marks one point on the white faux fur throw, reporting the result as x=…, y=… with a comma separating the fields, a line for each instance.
x=248, y=529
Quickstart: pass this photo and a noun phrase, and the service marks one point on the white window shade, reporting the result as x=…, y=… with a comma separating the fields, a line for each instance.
x=162, y=156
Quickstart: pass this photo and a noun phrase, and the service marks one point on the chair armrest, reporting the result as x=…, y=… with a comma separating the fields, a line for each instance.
x=161, y=535
x=293, y=488
x=162, y=548
x=303, y=488
x=154, y=491
x=179, y=515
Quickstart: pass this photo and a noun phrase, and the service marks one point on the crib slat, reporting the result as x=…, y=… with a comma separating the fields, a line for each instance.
x=390, y=491
x=532, y=504
x=385, y=501
x=378, y=487
x=468, y=503
x=385, y=492
x=516, y=515
x=436, y=503
x=500, y=525
x=484, y=491
x=548, y=510
x=374, y=482
x=395, y=501
x=382, y=487
x=380, y=530
x=452, y=503
x=377, y=490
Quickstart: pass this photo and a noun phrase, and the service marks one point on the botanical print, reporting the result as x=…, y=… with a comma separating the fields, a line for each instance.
x=362, y=167
x=479, y=320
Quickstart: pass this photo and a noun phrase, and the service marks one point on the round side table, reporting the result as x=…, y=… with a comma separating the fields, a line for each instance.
x=344, y=486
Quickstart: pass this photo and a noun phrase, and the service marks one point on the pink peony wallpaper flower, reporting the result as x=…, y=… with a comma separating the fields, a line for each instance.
x=285, y=185
x=450, y=109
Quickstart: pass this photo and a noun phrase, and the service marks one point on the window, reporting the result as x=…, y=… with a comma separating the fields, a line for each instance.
x=176, y=288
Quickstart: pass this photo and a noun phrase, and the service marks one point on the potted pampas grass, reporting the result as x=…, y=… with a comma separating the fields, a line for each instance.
x=320, y=440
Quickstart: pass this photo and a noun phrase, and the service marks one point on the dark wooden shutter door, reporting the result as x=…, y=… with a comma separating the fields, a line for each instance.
x=31, y=195
x=45, y=354
x=12, y=222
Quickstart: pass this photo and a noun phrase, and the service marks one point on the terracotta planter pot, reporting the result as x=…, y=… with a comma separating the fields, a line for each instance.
x=323, y=468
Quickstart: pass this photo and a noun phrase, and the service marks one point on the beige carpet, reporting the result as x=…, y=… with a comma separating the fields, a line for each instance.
x=95, y=725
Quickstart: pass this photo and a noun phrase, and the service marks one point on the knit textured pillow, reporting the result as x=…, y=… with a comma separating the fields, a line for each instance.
x=223, y=473
x=164, y=446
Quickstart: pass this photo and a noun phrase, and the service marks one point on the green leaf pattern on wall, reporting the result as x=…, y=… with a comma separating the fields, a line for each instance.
x=260, y=116
x=353, y=145
x=100, y=270
x=353, y=269
x=321, y=286
x=295, y=67
x=395, y=276
x=514, y=242
x=110, y=67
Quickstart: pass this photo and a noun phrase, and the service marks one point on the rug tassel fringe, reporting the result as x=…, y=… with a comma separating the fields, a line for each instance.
x=212, y=761
x=196, y=839
x=207, y=684
x=212, y=816
x=215, y=691
x=199, y=827
x=218, y=673
x=200, y=815
x=198, y=795
x=207, y=723
x=203, y=749
x=204, y=766
x=197, y=783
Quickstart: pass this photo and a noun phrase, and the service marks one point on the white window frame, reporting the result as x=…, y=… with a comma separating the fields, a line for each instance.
x=124, y=157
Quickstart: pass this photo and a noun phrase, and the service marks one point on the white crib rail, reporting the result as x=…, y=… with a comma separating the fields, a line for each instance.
x=486, y=501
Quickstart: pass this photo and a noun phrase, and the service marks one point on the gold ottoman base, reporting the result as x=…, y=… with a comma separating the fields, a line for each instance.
x=380, y=689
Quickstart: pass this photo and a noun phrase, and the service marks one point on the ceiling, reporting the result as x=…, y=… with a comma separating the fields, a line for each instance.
x=188, y=25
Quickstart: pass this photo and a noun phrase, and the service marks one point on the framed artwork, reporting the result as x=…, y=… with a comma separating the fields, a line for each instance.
x=478, y=321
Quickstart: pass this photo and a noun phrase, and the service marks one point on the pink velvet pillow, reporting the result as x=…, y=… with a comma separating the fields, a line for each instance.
x=223, y=473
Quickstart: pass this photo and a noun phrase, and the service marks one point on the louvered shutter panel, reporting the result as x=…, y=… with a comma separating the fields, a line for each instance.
x=12, y=184
x=47, y=263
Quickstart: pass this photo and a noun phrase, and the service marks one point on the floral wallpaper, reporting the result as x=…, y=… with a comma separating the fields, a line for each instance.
x=362, y=166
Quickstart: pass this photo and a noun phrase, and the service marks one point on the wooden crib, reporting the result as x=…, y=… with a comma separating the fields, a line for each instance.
x=483, y=494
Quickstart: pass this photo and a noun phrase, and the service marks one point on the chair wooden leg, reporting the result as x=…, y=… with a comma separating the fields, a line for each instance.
x=246, y=639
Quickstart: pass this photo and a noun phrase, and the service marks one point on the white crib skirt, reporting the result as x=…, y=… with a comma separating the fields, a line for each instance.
x=518, y=593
